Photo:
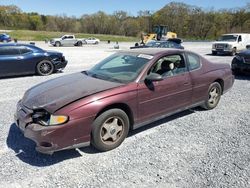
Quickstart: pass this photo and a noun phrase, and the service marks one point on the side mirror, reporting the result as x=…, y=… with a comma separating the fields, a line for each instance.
x=153, y=77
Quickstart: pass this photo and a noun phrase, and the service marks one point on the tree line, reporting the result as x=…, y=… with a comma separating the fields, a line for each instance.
x=189, y=22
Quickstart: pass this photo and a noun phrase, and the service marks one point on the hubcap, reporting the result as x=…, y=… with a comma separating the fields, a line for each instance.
x=213, y=96
x=112, y=130
x=45, y=68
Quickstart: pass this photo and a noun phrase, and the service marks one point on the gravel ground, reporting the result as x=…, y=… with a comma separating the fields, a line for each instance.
x=195, y=148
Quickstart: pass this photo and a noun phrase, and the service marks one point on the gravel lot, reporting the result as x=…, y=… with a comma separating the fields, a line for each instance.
x=195, y=148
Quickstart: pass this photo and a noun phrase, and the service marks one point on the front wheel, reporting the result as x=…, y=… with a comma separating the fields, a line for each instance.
x=110, y=129
x=44, y=68
x=213, y=97
x=79, y=43
x=57, y=44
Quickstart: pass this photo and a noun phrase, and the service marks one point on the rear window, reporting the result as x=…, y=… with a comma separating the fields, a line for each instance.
x=9, y=50
x=194, y=61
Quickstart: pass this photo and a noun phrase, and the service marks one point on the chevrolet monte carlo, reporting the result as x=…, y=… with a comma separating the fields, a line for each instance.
x=123, y=92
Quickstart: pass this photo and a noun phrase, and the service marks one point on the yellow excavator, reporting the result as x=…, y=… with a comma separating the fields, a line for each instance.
x=160, y=33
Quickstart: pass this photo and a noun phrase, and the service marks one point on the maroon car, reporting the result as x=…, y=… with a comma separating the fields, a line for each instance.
x=123, y=92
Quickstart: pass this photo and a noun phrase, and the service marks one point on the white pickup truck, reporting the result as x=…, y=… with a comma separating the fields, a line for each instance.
x=231, y=43
x=66, y=40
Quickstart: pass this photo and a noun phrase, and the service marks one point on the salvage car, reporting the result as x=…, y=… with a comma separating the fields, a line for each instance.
x=241, y=62
x=123, y=92
x=23, y=59
x=160, y=44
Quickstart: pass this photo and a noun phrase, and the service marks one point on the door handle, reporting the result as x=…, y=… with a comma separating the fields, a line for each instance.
x=186, y=83
x=19, y=58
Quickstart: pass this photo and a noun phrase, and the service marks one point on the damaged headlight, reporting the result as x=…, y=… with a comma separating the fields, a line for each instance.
x=44, y=118
x=57, y=119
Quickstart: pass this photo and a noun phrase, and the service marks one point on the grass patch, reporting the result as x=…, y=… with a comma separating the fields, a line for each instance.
x=27, y=35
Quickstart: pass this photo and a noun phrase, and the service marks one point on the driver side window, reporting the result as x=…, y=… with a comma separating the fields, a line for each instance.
x=170, y=65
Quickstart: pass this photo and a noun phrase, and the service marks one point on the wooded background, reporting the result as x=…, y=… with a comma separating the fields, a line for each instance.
x=189, y=22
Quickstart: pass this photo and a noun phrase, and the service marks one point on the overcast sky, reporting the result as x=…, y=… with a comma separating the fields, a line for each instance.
x=80, y=7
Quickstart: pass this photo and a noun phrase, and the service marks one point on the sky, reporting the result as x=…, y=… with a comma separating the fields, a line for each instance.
x=80, y=7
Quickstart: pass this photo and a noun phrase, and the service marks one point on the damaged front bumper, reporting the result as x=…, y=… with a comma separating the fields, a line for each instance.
x=49, y=139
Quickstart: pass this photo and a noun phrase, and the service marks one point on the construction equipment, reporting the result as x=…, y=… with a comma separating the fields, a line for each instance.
x=160, y=32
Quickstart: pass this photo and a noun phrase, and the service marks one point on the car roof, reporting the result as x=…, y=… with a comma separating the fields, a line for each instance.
x=18, y=44
x=152, y=51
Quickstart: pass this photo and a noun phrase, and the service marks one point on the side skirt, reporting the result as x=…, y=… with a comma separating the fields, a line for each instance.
x=136, y=126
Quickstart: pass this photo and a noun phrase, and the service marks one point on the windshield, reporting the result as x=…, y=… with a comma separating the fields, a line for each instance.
x=153, y=44
x=120, y=67
x=231, y=38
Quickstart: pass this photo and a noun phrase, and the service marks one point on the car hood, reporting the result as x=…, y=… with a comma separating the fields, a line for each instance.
x=244, y=53
x=54, y=94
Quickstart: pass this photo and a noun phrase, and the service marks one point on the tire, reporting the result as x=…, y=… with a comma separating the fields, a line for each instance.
x=44, y=68
x=213, y=96
x=79, y=43
x=57, y=44
x=214, y=53
x=233, y=51
x=109, y=129
x=96, y=42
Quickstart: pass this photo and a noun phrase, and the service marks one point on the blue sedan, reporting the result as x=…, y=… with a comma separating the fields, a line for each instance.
x=23, y=59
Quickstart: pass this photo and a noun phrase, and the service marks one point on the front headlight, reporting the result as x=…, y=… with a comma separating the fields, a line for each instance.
x=46, y=119
x=57, y=119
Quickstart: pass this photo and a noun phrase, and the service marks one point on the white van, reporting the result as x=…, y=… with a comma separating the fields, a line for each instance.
x=231, y=43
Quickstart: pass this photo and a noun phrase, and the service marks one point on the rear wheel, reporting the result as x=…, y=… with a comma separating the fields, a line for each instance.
x=213, y=97
x=44, y=68
x=214, y=53
x=79, y=43
x=110, y=129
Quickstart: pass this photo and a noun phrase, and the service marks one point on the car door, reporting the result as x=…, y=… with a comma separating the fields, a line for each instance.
x=10, y=61
x=66, y=41
x=90, y=41
x=169, y=95
x=71, y=40
x=28, y=60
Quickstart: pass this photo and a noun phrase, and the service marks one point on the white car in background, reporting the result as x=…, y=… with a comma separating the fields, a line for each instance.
x=91, y=40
